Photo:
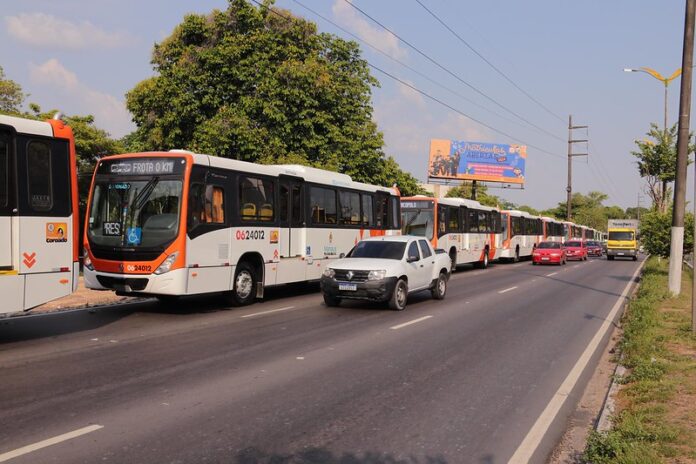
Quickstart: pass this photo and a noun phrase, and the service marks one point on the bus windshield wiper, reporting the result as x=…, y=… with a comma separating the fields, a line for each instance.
x=145, y=193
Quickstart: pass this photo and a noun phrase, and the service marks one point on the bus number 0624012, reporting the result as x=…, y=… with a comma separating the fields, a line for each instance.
x=250, y=235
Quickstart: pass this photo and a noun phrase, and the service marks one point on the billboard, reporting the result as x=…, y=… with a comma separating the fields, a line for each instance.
x=490, y=162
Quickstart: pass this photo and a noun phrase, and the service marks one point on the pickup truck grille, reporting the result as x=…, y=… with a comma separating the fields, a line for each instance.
x=357, y=276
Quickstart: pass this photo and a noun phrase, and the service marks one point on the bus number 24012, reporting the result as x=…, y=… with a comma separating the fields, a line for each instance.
x=250, y=235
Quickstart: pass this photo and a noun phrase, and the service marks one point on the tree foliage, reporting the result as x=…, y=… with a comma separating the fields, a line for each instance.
x=249, y=84
x=588, y=210
x=11, y=95
x=657, y=157
x=655, y=232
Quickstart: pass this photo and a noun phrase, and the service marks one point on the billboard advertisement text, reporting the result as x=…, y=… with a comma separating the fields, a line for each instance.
x=489, y=162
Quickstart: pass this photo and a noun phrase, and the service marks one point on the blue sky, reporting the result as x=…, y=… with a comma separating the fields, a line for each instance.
x=83, y=56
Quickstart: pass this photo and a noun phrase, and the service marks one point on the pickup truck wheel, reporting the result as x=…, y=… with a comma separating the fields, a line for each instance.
x=397, y=302
x=440, y=288
x=610, y=258
x=331, y=301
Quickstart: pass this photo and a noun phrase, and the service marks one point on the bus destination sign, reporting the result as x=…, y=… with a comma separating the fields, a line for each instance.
x=416, y=204
x=142, y=166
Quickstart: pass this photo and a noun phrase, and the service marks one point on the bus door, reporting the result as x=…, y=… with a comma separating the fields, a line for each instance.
x=292, y=243
x=7, y=200
x=45, y=217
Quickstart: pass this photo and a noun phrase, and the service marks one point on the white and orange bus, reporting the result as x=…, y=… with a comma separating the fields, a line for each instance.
x=521, y=234
x=467, y=230
x=572, y=231
x=38, y=213
x=177, y=223
x=553, y=229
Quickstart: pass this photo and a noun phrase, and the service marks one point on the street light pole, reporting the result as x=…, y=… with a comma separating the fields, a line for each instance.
x=661, y=78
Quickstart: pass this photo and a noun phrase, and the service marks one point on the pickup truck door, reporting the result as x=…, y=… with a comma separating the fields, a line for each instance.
x=417, y=268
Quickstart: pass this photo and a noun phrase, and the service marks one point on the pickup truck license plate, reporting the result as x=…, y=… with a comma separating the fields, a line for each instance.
x=620, y=253
x=348, y=287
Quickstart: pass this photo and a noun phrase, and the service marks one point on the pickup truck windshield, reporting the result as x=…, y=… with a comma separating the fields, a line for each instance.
x=384, y=250
x=620, y=235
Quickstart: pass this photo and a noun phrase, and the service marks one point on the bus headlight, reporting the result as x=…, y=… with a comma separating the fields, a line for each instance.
x=330, y=273
x=167, y=264
x=377, y=275
x=86, y=261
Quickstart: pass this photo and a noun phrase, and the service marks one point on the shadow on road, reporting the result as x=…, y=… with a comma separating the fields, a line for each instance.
x=322, y=456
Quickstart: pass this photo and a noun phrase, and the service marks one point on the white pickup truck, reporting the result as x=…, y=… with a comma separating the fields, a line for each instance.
x=387, y=269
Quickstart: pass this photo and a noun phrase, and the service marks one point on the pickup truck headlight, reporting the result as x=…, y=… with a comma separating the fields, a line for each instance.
x=167, y=264
x=377, y=275
x=330, y=273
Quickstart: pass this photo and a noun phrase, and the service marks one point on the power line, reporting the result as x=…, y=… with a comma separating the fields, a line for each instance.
x=405, y=65
x=435, y=99
x=505, y=76
x=472, y=87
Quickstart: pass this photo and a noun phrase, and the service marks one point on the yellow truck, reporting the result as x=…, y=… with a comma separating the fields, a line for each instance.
x=623, y=239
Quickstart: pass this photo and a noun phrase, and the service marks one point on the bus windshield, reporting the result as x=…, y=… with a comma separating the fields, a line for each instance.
x=621, y=236
x=135, y=213
x=420, y=222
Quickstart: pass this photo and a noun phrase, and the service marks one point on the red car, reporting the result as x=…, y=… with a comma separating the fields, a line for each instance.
x=594, y=248
x=549, y=253
x=576, y=249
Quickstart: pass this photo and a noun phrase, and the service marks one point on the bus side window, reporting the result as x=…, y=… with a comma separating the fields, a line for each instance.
x=214, y=204
x=395, y=206
x=39, y=176
x=4, y=168
x=382, y=211
x=256, y=199
x=473, y=221
x=350, y=208
x=323, y=205
x=368, y=213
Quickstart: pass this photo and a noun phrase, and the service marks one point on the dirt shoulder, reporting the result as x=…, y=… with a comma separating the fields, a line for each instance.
x=82, y=298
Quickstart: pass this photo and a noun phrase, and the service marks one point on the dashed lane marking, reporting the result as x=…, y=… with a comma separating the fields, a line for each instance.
x=507, y=290
x=49, y=442
x=415, y=321
x=552, y=274
x=268, y=312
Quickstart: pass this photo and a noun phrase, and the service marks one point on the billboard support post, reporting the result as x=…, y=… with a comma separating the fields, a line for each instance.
x=569, y=188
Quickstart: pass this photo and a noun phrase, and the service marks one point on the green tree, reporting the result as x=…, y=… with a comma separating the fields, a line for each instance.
x=588, y=210
x=657, y=163
x=482, y=195
x=655, y=232
x=11, y=95
x=249, y=84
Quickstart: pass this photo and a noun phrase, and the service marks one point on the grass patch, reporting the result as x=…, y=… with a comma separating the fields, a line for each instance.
x=658, y=399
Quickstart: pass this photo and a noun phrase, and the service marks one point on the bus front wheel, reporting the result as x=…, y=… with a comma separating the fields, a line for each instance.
x=244, y=289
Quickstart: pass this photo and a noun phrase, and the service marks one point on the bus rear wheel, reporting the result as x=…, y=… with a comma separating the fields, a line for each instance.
x=244, y=288
x=483, y=264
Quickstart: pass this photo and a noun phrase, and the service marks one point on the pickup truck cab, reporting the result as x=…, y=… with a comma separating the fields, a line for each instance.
x=387, y=269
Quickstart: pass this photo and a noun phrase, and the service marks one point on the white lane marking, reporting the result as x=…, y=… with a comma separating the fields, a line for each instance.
x=415, y=321
x=49, y=442
x=268, y=312
x=552, y=274
x=507, y=290
x=531, y=442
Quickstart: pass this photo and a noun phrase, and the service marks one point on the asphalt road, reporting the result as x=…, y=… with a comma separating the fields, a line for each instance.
x=290, y=380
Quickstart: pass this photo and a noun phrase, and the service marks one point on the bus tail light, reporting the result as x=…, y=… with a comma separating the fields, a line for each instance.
x=167, y=264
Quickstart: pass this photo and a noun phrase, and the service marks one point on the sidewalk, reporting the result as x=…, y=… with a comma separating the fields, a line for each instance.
x=82, y=298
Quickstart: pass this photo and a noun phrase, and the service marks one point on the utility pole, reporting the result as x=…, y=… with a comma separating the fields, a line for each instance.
x=571, y=141
x=677, y=240
x=638, y=210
